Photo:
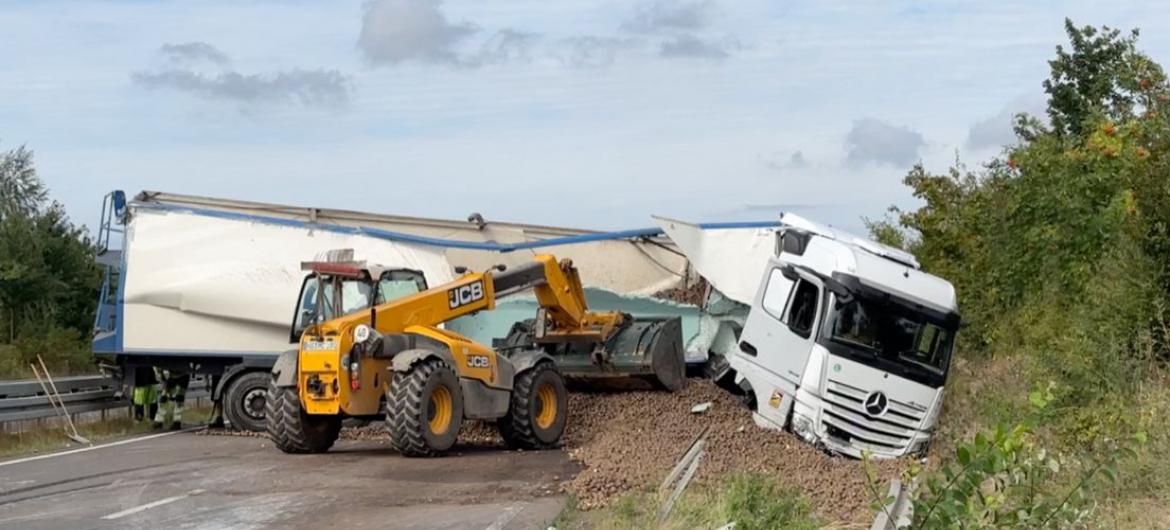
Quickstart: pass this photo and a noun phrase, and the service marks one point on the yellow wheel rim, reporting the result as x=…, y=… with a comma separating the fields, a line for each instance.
x=441, y=407
x=546, y=406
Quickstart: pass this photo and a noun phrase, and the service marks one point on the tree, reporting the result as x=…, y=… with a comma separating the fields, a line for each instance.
x=1102, y=76
x=48, y=277
x=21, y=192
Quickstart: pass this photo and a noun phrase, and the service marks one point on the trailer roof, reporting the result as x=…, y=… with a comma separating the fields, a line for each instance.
x=314, y=214
x=473, y=234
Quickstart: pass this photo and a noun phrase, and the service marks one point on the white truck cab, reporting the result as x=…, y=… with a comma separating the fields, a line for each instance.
x=847, y=343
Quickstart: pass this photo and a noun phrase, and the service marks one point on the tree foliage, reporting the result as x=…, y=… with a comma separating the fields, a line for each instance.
x=1047, y=215
x=21, y=192
x=47, y=272
x=1059, y=250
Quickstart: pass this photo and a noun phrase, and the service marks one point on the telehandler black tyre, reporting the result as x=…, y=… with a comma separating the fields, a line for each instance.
x=293, y=430
x=424, y=409
x=540, y=405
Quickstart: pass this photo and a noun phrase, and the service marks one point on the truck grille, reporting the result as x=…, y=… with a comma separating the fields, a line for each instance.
x=845, y=418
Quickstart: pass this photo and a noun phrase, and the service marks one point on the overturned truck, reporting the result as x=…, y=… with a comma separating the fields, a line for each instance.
x=846, y=342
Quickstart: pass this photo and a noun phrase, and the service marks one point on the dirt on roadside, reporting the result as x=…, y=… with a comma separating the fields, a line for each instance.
x=627, y=441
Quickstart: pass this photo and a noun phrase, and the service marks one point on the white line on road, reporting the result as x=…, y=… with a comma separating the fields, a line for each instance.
x=92, y=447
x=149, y=505
x=506, y=517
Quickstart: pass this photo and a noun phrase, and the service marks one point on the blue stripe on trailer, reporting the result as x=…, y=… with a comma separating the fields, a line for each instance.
x=449, y=243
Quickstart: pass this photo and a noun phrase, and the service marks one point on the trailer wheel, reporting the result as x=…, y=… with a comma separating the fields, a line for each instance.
x=539, y=409
x=244, y=401
x=424, y=409
x=293, y=430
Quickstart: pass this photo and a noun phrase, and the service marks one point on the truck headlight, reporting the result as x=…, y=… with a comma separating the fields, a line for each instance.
x=920, y=449
x=803, y=428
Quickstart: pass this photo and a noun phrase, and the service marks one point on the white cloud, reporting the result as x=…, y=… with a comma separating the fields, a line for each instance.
x=505, y=46
x=998, y=131
x=320, y=87
x=591, y=51
x=691, y=46
x=873, y=140
x=194, y=52
x=394, y=31
x=671, y=16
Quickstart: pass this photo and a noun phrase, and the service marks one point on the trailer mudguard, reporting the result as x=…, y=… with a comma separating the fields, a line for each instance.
x=284, y=372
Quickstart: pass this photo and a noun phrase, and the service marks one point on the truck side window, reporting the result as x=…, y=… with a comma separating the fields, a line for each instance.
x=803, y=309
x=776, y=294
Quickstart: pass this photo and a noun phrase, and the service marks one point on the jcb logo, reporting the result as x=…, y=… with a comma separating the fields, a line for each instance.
x=465, y=294
x=478, y=361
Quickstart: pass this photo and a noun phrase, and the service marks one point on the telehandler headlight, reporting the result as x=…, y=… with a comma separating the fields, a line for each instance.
x=362, y=333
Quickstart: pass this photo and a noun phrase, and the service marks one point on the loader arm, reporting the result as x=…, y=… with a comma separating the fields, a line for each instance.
x=557, y=286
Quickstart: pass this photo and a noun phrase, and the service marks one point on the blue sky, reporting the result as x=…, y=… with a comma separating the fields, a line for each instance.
x=594, y=114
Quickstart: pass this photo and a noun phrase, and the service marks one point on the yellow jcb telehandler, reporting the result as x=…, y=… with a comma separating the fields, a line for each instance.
x=393, y=356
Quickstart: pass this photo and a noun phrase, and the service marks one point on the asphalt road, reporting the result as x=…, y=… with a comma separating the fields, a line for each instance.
x=186, y=481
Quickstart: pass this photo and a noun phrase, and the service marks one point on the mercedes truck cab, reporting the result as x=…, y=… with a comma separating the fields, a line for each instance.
x=847, y=343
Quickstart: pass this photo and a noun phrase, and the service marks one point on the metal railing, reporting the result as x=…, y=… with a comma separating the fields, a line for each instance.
x=24, y=400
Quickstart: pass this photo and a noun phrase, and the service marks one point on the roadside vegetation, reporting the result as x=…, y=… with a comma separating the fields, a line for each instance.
x=752, y=501
x=49, y=438
x=1059, y=249
x=48, y=278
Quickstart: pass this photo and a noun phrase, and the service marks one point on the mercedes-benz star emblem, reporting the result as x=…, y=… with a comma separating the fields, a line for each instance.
x=876, y=403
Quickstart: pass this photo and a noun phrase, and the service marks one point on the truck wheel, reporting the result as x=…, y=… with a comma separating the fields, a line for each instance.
x=425, y=409
x=244, y=401
x=293, y=430
x=540, y=406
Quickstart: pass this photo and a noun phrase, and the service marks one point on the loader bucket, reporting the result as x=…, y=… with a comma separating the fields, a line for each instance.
x=646, y=348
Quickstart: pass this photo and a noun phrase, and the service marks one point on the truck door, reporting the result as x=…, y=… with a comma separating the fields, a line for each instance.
x=778, y=335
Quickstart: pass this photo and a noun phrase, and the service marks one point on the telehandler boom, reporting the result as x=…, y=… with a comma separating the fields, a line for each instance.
x=429, y=379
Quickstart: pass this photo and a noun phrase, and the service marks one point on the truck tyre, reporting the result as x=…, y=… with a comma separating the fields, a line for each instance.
x=424, y=409
x=244, y=401
x=539, y=409
x=293, y=430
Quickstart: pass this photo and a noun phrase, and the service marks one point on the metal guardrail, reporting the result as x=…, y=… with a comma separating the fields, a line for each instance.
x=897, y=513
x=24, y=400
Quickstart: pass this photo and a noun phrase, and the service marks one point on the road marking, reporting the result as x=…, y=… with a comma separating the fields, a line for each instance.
x=149, y=505
x=92, y=447
x=506, y=517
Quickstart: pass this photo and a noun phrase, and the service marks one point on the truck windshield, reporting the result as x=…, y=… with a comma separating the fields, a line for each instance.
x=892, y=332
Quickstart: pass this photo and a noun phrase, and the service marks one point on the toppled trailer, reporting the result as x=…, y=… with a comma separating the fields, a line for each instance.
x=210, y=283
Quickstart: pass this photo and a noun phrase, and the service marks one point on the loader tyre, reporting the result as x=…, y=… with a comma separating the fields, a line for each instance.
x=293, y=430
x=424, y=409
x=540, y=405
x=245, y=401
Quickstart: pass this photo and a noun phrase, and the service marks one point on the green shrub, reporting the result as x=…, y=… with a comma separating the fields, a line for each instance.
x=757, y=502
x=63, y=350
x=1007, y=479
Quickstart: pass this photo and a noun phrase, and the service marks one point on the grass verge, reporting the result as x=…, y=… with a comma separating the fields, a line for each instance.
x=752, y=501
x=49, y=439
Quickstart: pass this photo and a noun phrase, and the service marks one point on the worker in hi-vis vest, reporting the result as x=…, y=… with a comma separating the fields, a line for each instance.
x=145, y=394
x=172, y=389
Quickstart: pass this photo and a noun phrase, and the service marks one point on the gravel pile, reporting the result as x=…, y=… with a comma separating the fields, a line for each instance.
x=685, y=295
x=626, y=441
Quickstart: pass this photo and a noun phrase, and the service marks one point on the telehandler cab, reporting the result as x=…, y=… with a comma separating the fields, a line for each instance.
x=394, y=356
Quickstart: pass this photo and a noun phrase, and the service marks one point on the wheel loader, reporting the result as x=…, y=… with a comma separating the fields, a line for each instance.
x=394, y=356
